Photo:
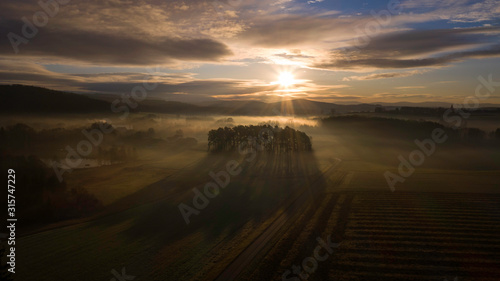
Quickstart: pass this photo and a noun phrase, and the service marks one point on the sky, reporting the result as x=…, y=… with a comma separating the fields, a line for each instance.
x=267, y=50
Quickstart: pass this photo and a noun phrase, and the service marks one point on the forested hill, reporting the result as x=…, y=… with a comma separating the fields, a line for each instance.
x=29, y=99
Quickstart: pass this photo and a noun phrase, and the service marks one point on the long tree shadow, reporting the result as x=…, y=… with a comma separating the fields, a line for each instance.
x=266, y=185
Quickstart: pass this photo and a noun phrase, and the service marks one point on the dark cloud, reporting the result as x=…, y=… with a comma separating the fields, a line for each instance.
x=197, y=87
x=383, y=75
x=431, y=47
x=117, y=48
x=293, y=30
x=167, y=86
x=416, y=42
x=402, y=96
x=411, y=63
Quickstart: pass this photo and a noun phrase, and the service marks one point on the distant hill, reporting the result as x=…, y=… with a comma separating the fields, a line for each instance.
x=172, y=107
x=289, y=107
x=29, y=99
x=157, y=105
x=308, y=107
x=431, y=104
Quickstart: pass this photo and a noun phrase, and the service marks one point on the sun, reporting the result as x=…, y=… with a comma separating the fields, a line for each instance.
x=286, y=79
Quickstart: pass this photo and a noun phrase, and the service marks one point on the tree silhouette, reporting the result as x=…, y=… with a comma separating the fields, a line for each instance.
x=272, y=139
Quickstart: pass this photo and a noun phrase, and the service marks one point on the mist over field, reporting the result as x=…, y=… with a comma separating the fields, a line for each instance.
x=154, y=182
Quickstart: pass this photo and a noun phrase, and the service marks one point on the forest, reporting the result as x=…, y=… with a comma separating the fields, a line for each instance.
x=406, y=129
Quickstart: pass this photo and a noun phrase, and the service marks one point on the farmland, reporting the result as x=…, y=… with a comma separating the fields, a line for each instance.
x=439, y=224
x=400, y=236
x=150, y=219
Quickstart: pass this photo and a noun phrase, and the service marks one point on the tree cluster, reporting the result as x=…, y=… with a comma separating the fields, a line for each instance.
x=273, y=139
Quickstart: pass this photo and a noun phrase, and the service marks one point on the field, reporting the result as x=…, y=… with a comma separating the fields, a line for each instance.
x=110, y=183
x=391, y=236
x=439, y=224
x=145, y=231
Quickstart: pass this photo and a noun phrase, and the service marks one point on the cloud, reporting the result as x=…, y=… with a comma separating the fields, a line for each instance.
x=13, y=72
x=400, y=96
x=112, y=49
x=23, y=72
x=383, y=75
x=208, y=87
x=493, y=51
x=333, y=97
x=420, y=42
x=410, y=87
x=415, y=48
x=286, y=30
x=293, y=56
x=464, y=11
x=305, y=27
x=124, y=35
x=168, y=84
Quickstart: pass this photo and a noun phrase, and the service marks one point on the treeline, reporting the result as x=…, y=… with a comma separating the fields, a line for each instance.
x=273, y=139
x=402, y=128
x=40, y=196
x=21, y=139
x=432, y=111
